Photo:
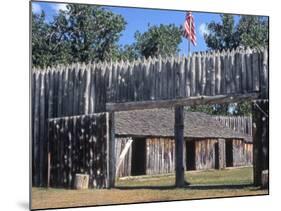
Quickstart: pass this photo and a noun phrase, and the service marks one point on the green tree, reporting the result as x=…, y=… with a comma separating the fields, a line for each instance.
x=82, y=33
x=222, y=35
x=158, y=40
x=40, y=48
x=250, y=31
x=253, y=31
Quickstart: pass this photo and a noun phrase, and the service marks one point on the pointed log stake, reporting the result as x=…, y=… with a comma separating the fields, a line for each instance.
x=179, y=139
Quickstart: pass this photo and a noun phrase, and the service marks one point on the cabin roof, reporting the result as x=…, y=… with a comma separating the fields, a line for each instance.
x=160, y=123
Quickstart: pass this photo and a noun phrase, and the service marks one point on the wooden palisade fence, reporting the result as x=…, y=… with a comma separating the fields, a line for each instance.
x=78, y=89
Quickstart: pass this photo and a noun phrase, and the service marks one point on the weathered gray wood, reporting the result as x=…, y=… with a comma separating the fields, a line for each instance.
x=243, y=59
x=256, y=71
x=213, y=74
x=221, y=149
x=217, y=73
x=111, y=150
x=264, y=179
x=187, y=76
x=200, y=100
x=179, y=145
x=260, y=139
x=68, y=91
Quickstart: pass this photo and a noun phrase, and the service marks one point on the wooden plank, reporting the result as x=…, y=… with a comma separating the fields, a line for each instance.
x=200, y=100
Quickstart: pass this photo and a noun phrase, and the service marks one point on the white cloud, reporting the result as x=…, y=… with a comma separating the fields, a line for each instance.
x=58, y=7
x=36, y=8
x=203, y=29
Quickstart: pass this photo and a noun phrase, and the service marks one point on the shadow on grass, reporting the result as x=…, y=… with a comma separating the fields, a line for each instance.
x=191, y=187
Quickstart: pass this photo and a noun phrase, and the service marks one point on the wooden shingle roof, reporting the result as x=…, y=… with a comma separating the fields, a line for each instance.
x=160, y=123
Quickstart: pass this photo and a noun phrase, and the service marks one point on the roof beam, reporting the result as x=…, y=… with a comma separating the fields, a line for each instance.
x=190, y=101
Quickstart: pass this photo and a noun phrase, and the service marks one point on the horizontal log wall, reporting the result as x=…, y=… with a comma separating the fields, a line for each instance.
x=84, y=89
x=78, y=145
x=242, y=124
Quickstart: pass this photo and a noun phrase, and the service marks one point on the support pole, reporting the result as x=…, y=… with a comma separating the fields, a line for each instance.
x=260, y=140
x=179, y=144
x=111, y=168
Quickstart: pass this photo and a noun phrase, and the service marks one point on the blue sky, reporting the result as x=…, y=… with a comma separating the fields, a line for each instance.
x=138, y=19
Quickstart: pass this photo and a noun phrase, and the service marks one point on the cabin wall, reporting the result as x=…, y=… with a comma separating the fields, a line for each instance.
x=242, y=153
x=160, y=155
x=205, y=154
x=208, y=154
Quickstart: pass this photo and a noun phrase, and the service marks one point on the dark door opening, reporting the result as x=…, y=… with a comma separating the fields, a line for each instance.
x=190, y=155
x=138, y=156
x=229, y=153
x=217, y=160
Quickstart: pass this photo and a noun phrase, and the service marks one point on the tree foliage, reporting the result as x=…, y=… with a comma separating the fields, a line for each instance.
x=81, y=33
x=250, y=31
x=158, y=40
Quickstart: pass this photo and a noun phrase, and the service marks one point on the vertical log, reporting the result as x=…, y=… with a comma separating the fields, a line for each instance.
x=87, y=90
x=256, y=71
x=260, y=139
x=203, y=74
x=249, y=69
x=193, y=76
x=212, y=74
x=179, y=143
x=36, y=128
x=111, y=160
x=187, y=76
x=218, y=73
x=221, y=147
x=243, y=59
x=42, y=152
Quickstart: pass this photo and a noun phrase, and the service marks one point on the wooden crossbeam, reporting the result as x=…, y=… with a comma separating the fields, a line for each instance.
x=190, y=101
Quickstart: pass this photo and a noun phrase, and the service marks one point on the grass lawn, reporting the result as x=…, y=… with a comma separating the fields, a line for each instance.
x=203, y=184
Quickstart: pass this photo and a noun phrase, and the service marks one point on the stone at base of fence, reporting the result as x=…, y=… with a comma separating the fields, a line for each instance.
x=81, y=181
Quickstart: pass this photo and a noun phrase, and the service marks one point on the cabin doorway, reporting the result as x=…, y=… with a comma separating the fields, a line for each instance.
x=138, y=157
x=229, y=153
x=190, y=155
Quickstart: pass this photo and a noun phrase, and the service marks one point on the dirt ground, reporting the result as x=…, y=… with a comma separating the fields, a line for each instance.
x=204, y=184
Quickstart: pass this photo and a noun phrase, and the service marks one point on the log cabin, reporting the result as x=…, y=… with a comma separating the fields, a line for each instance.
x=145, y=142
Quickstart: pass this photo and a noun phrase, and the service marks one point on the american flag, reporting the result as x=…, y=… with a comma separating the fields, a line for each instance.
x=189, y=28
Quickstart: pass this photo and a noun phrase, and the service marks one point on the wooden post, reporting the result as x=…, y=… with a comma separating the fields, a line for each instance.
x=49, y=169
x=221, y=148
x=260, y=139
x=179, y=145
x=111, y=163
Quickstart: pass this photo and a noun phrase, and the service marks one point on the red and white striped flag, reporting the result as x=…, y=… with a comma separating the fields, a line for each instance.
x=189, y=28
